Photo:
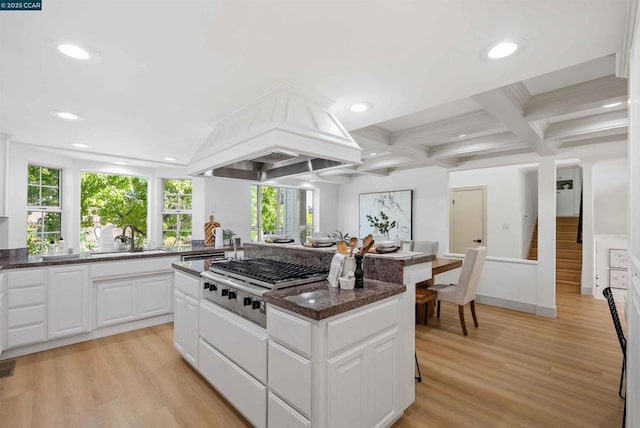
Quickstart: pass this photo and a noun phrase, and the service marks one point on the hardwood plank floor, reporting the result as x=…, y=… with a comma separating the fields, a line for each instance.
x=515, y=370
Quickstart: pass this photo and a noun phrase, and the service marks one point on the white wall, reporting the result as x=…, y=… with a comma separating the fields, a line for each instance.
x=326, y=204
x=230, y=203
x=610, y=188
x=430, y=202
x=604, y=243
x=504, y=210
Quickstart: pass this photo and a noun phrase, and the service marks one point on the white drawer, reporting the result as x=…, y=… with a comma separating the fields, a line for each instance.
x=247, y=395
x=25, y=296
x=24, y=277
x=290, y=330
x=238, y=339
x=25, y=335
x=290, y=377
x=131, y=267
x=188, y=284
x=352, y=329
x=25, y=316
x=282, y=415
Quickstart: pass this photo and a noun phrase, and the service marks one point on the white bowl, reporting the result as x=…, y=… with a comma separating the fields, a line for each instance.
x=320, y=240
x=385, y=243
x=347, y=283
x=274, y=237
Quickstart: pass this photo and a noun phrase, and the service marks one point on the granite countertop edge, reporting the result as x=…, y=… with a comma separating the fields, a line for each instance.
x=279, y=298
x=18, y=263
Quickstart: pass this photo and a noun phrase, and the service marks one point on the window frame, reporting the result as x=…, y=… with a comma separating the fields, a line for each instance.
x=177, y=212
x=256, y=229
x=44, y=210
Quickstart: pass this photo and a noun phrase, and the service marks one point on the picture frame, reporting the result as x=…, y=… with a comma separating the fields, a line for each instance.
x=618, y=278
x=618, y=258
x=397, y=205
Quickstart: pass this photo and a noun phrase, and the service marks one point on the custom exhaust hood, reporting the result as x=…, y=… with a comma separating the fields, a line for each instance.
x=283, y=133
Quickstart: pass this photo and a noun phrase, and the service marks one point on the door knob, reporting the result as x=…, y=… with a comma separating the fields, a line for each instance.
x=479, y=241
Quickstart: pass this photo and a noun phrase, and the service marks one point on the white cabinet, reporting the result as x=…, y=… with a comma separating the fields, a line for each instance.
x=25, y=307
x=185, y=327
x=115, y=302
x=2, y=315
x=154, y=296
x=68, y=301
x=282, y=415
x=130, y=299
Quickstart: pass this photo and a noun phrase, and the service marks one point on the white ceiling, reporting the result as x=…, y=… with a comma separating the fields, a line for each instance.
x=170, y=69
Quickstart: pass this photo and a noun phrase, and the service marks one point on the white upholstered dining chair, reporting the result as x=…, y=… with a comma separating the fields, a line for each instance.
x=465, y=290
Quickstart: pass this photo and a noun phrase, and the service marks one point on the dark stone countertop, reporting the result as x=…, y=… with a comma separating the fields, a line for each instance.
x=192, y=267
x=319, y=301
x=24, y=261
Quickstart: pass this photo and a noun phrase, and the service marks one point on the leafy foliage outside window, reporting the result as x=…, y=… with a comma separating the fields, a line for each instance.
x=44, y=215
x=111, y=199
x=276, y=207
x=176, y=212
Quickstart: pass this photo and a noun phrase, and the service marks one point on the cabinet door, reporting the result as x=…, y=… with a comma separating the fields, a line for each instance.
x=281, y=415
x=348, y=398
x=155, y=296
x=2, y=318
x=116, y=302
x=179, y=311
x=69, y=301
x=190, y=331
x=383, y=378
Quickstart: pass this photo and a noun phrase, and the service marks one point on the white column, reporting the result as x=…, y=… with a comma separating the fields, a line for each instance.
x=4, y=144
x=587, y=283
x=546, y=301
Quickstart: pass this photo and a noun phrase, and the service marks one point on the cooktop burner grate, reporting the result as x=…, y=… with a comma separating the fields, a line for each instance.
x=266, y=270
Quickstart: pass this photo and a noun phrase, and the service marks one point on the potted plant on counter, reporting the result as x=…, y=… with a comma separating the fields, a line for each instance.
x=227, y=236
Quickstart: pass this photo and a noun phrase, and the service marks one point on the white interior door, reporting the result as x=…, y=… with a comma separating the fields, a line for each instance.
x=467, y=220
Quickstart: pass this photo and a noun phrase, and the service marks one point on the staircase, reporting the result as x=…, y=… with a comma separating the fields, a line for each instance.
x=568, y=253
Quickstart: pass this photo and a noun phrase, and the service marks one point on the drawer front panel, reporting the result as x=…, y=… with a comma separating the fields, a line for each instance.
x=132, y=267
x=25, y=296
x=351, y=329
x=189, y=285
x=24, y=316
x=290, y=330
x=247, y=394
x=282, y=415
x=23, y=278
x=238, y=339
x=290, y=377
x=26, y=335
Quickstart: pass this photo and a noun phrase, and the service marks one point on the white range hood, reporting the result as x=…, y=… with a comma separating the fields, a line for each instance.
x=285, y=132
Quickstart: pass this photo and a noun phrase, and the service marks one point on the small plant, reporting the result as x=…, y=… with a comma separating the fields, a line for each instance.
x=339, y=236
x=382, y=224
x=227, y=235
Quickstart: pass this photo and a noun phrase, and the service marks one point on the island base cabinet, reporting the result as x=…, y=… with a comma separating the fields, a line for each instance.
x=185, y=327
x=281, y=415
x=242, y=390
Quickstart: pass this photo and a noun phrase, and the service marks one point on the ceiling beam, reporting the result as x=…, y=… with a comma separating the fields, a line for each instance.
x=446, y=129
x=588, y=124
x=595, y=140
x=505, y=141
x=575, y=98
x=506, y=104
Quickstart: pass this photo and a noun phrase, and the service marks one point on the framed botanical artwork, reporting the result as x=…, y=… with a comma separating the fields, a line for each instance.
x=618, y=278
x=618, y=258
x=387, y=207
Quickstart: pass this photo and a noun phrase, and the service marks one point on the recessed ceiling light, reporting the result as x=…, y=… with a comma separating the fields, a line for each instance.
x=502, y=50
x=81, y=146
x=612, y=105
x=373, y=153
x=360, y=107
x=77, y=52
x=170, y=159
x=66, y=115
x=462, y=135
x=120, y=163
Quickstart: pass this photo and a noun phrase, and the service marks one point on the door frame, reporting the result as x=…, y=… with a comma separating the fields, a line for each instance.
x=484, y=212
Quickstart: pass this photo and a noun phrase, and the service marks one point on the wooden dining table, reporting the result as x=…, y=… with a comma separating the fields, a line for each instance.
x=438, y=266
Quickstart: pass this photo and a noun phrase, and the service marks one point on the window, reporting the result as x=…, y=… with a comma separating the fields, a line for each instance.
x=281, y=211
x=176, y=212
x=111, y=199
x=44, y=214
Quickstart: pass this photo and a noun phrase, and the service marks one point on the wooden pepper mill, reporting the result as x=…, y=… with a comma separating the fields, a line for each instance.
x=209, y=227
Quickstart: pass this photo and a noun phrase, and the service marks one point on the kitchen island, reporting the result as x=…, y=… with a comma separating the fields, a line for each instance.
x=327, y=357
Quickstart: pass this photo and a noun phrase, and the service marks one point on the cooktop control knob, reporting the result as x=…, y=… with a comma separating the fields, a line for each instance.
x=247, y=301
x=256, y=304
x=232, y=295
x=206, y=285
x=225, y=291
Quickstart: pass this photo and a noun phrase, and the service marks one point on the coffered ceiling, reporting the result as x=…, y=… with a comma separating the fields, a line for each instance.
x=170, y=69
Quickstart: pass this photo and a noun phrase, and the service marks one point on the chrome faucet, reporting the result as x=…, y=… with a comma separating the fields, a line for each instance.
x=123, y=238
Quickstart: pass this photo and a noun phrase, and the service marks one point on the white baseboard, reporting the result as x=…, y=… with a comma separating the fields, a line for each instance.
x=507, y=304
x=587, y=291
x=546, y=311
x=95, y=334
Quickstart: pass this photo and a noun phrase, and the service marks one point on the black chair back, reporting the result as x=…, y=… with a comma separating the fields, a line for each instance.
x=616, y=320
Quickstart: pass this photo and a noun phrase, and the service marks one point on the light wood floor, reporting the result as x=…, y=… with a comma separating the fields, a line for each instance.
x=516, y=370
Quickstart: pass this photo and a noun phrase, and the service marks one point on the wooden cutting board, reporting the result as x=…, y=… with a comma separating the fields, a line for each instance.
x=209, y=227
